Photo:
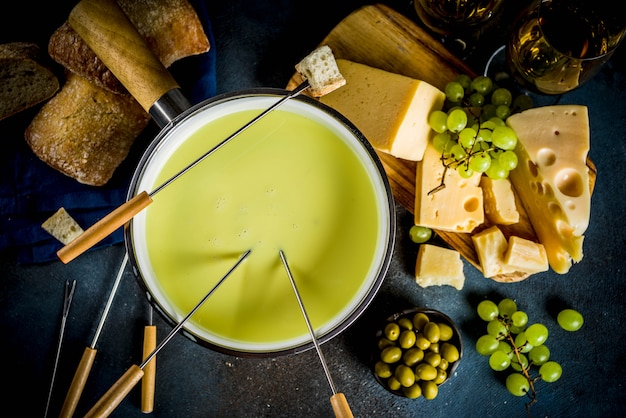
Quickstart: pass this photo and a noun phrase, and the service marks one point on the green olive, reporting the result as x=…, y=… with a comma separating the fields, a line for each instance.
x=385, y=342
x=442, y=375
x=405, y=323
x=419, y=320
x=429, y=389
x=434, y=347
x=413, y=392
x=393, y=383
x=412, y=356
x=444, y=364
x=421, y=341
x=407, y=339
x=382, y=369
x=391, y=354
x=445, y=332
x=405, y=375
x=431, y=331
x=392, y=331
x=449, y=352
x=434, y=359
x=425, y=371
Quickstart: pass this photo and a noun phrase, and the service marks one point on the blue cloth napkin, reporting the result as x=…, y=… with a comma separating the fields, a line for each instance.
x=31, y=191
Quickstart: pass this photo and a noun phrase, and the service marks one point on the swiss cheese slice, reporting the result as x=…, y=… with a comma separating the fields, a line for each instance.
x=552, y=178
x=390, y=109
x=438, y=266
x=457, y=207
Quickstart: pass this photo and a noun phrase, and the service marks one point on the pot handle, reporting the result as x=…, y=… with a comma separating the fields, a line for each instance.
x=111, y=35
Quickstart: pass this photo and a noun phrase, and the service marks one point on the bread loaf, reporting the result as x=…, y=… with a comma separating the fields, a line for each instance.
x=24, y=80
x=171, y=29
x=86, y=131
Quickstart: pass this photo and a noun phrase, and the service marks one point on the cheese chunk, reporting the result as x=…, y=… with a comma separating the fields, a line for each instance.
x=525, y=255
x=458, y=207
x=499, y=201
x=552, y=178
x=391, y=110
x=491, y=245
x=437, y=266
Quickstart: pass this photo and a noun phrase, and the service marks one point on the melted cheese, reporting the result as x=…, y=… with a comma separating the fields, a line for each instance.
x=390, y=109
x=458, y=207
x=552, y=178
x=437, y=266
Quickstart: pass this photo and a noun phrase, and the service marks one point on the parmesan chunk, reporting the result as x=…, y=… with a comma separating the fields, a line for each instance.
x=499, y=201
x=437, y=266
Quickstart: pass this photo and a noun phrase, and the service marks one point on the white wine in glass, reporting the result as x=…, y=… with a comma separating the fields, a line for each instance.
x=557, y=45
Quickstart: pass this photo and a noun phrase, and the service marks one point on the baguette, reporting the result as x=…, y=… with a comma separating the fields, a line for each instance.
x=171, y=29
x=24, y=80
x=86, y=131
x=320, y=69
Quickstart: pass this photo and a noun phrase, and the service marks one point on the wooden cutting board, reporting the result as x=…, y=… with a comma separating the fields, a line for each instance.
x=380, y=37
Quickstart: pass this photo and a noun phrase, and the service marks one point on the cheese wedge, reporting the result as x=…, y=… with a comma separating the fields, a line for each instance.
x=391, y=110
x=491, y=245
x=438, y=266
x=525, y=255
x=458, y=207
x=499, y=201
x=552, y=178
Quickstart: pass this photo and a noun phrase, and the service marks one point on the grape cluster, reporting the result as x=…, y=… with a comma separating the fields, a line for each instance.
x=470, y=130
x=512, y=343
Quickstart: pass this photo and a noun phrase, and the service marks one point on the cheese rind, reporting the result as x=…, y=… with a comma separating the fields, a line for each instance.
x=499, y=201
x=438, y=266
x=390, y=109
x=458, y=207
x=552, y=178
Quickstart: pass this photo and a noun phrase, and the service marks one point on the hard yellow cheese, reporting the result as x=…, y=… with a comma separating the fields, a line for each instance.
x=437, y=266
x=390, y=109
x=499, y=201
x=552, y=178
x=458, y=207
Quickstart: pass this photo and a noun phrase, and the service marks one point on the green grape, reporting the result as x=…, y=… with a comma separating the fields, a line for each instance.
x=519, y=364
x=496, y=171
x=539, y=355
x=457, y=152
x=550, y=371
x=482, y=84
x=522, y=344
x=487, y=345
x=506, y=348
x=504, y=137
x=487, y=310
x=517, y=384
x=536, y=334
x=457, y=120
x=501, y=96
x=488, y=111
x=464, y=80
x=467, y=137
x=508, y=159
x=570, y=320
x=503, y=111
x=476, y=100
x=464, y=171
x=489, y=124
x=480, y=162
x=454, y=91
x=438, y=121
x=499, y=361
x=441, y=140
x=497, y=120
x=522, y=102
x=497, y=328
x=484, y=135
x=516, y=330
x=420, y=234
x=507, y=307
x=519, y=318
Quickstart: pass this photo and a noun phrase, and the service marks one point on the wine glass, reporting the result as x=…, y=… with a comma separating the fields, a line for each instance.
x=557, y=45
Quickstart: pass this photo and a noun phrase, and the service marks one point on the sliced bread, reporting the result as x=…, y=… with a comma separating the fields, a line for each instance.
x=321, y=71
x=24, y=80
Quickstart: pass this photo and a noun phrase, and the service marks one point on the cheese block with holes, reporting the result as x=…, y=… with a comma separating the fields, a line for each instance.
x=552, y=178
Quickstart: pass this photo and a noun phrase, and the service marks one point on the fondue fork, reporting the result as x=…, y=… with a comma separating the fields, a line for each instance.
x=124, y=213
x=338, y=400
x=116, y=394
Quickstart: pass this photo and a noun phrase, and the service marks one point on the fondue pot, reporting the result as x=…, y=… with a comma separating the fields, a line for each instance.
x=302, y=180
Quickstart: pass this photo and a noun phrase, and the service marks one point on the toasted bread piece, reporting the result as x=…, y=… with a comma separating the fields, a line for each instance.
x=62, y=226
x=85, y=131
x=320, y=69
x=24, y=79
x=171, y=29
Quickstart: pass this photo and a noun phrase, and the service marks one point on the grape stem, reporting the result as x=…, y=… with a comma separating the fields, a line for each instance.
x=532, y=393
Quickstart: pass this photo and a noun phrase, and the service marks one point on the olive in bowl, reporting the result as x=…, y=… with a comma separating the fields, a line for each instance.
x=416, y=351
